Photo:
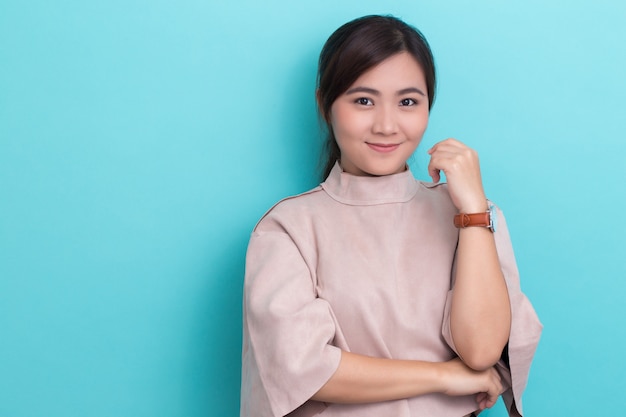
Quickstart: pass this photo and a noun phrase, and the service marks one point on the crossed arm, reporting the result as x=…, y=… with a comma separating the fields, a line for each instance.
x=480, y=317
x=480, y=324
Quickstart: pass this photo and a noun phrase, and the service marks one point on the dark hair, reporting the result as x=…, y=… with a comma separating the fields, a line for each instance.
x=353, y=49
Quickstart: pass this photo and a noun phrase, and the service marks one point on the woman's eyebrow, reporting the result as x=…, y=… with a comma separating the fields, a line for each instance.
x=363, y=90
x=377, y=93
x=411, y=90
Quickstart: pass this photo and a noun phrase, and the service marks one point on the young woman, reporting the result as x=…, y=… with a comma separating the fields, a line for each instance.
x=375, y=294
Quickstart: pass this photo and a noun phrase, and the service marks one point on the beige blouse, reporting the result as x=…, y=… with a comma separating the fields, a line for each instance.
x=362, y=264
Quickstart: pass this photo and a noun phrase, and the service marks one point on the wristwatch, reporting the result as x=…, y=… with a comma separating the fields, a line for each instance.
x=487, y=219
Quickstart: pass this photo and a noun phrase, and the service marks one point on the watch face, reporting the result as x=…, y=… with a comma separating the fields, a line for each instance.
x=493, y=218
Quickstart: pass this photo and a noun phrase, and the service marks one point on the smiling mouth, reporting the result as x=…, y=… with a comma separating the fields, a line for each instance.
x=383, y=147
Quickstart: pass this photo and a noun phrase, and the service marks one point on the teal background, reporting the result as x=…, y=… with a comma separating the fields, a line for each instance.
x=140, y=141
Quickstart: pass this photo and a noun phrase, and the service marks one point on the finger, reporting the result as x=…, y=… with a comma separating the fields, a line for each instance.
x=447, y=144
x=482, y=404
x=449, y=141
x=452, y=153
x=492, y=396
x=434, y=174
x=453, y=147
x=433, y=169
x=443, y=153
x=443, y=160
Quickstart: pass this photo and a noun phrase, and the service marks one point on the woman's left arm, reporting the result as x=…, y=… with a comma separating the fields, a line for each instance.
x=480, y=312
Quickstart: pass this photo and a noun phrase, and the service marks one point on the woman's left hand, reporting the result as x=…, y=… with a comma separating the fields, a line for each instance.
x=462, y=169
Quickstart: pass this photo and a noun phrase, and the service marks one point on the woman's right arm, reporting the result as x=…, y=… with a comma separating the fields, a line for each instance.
x=364, y=379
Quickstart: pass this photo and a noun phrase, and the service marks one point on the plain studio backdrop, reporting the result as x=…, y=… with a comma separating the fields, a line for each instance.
x=140, y=141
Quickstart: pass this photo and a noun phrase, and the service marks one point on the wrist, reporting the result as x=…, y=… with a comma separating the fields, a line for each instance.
x=487, y=218
x=479, y=206
x=441, y=375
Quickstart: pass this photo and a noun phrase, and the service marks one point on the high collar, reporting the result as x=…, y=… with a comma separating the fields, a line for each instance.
x=365, y=191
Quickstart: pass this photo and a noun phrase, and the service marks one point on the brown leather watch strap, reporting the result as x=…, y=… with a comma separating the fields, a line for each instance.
x=462, y=220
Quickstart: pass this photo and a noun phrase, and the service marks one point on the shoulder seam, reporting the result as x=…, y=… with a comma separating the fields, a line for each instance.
x=311, y=191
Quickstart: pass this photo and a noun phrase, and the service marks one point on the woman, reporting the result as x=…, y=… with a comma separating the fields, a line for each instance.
x=375, y=294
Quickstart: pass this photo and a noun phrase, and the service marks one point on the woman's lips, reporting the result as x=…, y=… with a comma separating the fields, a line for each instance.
x=383, y=147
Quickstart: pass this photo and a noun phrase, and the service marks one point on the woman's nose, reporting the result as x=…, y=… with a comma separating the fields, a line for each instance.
x=385, y=122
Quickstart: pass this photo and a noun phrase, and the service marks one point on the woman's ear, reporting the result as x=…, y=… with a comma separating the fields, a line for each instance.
x=320, y=108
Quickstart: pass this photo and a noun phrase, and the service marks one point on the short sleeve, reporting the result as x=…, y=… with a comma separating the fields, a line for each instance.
x=525, y=326
x=287, y=355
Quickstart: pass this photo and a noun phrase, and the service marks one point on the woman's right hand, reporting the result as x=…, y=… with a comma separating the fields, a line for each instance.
x=459, y=379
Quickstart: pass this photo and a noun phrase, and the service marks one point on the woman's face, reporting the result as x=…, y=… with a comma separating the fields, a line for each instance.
x=379, y=121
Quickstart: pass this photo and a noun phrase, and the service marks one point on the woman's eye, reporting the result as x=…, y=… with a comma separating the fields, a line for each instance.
x=364, y=101
x=408, y=102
